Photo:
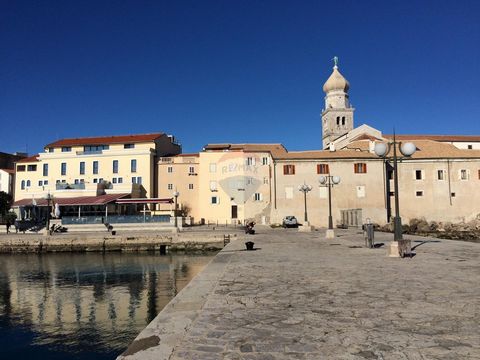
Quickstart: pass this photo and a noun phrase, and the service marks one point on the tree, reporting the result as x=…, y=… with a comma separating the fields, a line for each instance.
x=5, y=202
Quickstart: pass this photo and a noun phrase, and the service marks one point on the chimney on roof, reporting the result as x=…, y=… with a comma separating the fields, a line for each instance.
x=331, y=147
x=371, y=146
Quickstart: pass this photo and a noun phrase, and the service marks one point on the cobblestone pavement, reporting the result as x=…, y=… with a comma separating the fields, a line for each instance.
x=300, y=296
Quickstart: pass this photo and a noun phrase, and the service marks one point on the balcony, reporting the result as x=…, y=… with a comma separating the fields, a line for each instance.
x=64, y=186
x=95, y=152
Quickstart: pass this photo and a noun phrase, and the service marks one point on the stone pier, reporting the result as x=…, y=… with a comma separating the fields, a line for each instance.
x=301, y=296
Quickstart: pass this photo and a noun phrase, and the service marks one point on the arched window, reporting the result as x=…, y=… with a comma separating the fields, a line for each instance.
x=28, y=183
x=23, y=184
x=343, y=120
x=338, y=120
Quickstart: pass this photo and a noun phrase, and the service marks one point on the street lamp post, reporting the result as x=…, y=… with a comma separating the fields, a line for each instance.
x=175, y=194
x=329, y=181
x=48, y=198
x=382, y=150
x=305, y=189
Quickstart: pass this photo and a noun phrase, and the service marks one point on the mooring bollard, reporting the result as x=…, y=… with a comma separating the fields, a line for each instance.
x=249, y=245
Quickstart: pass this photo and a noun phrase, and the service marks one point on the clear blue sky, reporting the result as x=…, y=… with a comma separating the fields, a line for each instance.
x=233, y=71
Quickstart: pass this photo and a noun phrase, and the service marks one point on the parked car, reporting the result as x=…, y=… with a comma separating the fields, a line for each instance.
x=290, y=221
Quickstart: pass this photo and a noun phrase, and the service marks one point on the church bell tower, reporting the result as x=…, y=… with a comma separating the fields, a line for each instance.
x=337, y=116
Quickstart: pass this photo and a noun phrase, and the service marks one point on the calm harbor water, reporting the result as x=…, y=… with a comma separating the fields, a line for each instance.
x=85, y=306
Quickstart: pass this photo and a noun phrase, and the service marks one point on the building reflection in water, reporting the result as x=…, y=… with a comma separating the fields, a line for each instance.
x=95, y=301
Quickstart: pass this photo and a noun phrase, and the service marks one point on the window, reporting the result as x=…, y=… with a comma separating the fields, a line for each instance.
x=128, y=146
x=191, y=170
x=360, y=168
x=250, y=161
x=82, y=168
x=93, y=148
x=23, y=185
x=361, y=191
x=257, y=197
x=50, y=150
x=57, y=181
x=136, y=180
x=190, y=186
x=214, y=200
x=120, y=180
x=32, y=168
x=29, y=183
x=114, y=180
x=95, y=180
x=213, y=185
x=213, y=167
x=170, y=169
x=288, y=192
x=40, y=183
x=391, y=193
x=45, y=169
x=20, y=168
x=418, y=175
x=76, y=181
x=322, y=169
x=45, y=182
x=452, y=194
x=133, y=165
x=440, y=175
x=470, y=147
x=463, y=174
x=265, y=180
x=343, y=120
x=338, y=120
x=66, y=148
x=265, y=160
x=170, y=186
x=63, y=169
x=418, y=193
x=95, y=167
x=288, y=169
x=115, y=166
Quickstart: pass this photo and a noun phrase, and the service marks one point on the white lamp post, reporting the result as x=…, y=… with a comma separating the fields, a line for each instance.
x=329, y=181
x=175, y=194
x=382, y=150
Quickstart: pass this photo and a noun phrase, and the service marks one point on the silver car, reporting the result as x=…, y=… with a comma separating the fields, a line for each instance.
x=290, y=221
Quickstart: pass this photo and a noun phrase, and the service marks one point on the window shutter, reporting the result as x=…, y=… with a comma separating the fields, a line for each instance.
x=293, y=169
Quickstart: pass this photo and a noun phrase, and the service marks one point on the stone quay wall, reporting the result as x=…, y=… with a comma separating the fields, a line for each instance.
x=192, y=241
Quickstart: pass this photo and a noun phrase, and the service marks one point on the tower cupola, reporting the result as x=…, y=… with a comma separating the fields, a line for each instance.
x=337, y=116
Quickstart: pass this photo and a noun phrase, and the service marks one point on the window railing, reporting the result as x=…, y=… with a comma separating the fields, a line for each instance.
x=64, y=186
x=93, y=152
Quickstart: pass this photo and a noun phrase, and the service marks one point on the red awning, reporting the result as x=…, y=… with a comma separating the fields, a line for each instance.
x=145, y=201
x=73, y=201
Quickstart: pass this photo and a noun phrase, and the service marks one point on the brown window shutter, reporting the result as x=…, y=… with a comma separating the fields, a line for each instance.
x=285, y=169
x=318, y=168
x=293, y=169
x=365, y=168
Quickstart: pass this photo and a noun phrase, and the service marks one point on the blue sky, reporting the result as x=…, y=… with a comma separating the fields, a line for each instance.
x=233, y=71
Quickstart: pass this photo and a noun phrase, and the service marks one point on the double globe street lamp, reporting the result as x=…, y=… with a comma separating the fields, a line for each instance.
x=329, y=181
x=382, y=150
x=305, y=189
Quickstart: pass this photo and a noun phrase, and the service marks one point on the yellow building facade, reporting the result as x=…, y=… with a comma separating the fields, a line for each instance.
x=94, y=166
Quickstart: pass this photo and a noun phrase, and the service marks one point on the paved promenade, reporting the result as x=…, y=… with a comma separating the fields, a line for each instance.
x=300, y=296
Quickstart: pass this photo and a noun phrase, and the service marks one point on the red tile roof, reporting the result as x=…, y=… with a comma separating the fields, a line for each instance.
x=104, y=140
x=459, y=138
x=33, y=158
x=189, y=155
x=74, y=201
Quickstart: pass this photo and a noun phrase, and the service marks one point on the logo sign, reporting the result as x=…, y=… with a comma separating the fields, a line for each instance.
x=240, y=175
